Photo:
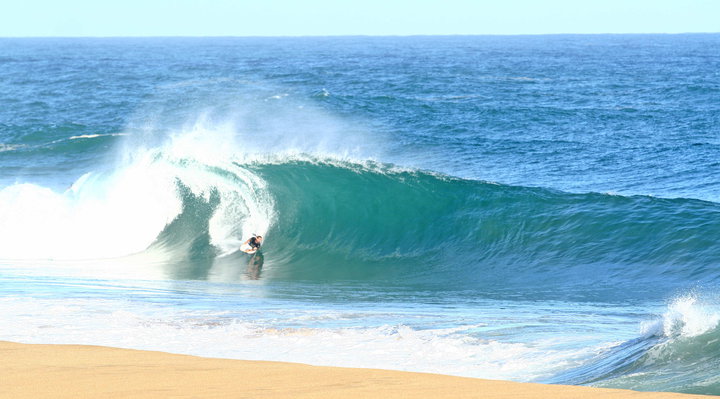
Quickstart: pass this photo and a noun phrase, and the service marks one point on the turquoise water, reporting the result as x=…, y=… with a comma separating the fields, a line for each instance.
x=536, y=208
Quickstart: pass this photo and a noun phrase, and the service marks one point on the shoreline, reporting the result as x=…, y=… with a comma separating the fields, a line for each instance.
x=80, y=371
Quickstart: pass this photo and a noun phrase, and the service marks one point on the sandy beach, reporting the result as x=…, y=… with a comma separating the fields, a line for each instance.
x=73, y=371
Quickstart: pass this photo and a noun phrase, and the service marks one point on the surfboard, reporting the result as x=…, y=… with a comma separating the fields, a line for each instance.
x=248, y=249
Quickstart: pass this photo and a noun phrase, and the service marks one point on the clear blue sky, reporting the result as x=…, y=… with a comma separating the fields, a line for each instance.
x=359, y=17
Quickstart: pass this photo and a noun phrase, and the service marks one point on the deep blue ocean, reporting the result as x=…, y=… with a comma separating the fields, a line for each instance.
x=529, y=208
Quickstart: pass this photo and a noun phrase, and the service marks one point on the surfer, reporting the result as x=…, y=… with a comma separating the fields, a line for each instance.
x=254, y=242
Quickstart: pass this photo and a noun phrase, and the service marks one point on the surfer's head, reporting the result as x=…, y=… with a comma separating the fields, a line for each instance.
x=258, y=238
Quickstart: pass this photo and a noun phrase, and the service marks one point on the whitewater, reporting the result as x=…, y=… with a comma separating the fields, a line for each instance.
x=525, y=208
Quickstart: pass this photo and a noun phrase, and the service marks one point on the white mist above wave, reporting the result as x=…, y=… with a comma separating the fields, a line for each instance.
x=248, y=121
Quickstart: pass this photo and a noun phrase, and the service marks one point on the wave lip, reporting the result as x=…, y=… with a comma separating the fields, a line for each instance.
x=687, y=317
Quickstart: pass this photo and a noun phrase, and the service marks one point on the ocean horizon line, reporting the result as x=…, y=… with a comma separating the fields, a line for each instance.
x=359, y=35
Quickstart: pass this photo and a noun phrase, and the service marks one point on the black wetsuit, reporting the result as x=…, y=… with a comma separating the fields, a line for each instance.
x=254, y=244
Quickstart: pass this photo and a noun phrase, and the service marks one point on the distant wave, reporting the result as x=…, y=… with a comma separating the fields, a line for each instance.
x=9, y=147
x=92, y=136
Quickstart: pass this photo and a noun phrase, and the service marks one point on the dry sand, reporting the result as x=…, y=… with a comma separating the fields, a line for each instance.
x=72, y=371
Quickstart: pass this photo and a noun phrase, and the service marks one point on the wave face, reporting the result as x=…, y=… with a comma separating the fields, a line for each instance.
x=338, y=220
